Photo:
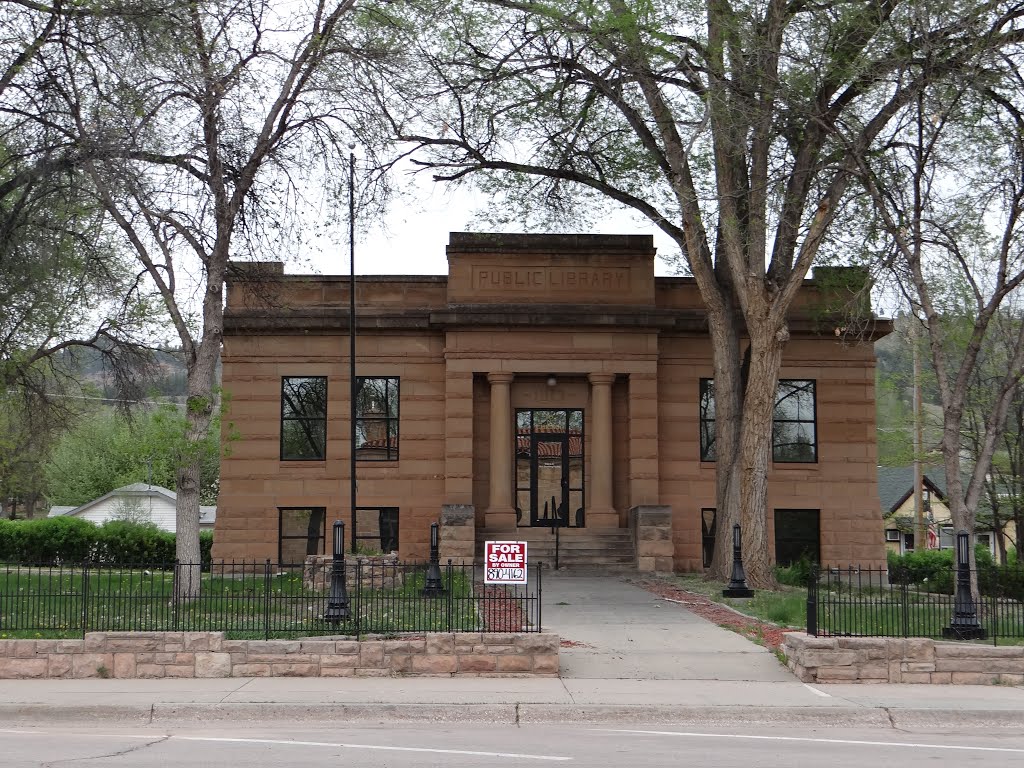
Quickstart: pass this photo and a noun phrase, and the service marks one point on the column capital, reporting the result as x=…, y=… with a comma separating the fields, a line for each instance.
x=500, y=377
x=599, y=379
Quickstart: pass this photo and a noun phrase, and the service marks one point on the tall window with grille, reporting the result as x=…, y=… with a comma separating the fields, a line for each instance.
x=377, y=400
x=304, y=418
x=794, y=422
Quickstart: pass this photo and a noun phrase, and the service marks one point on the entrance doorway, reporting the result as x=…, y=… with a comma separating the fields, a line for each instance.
x=549, y=468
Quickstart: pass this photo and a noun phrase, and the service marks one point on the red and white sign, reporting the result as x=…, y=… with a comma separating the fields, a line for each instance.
x=504, y=562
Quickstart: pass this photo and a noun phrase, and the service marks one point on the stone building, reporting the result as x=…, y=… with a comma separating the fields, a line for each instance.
x=548, y=381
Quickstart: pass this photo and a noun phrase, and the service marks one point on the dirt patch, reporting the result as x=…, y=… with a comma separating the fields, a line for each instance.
x=762, y=632
x=574, y=644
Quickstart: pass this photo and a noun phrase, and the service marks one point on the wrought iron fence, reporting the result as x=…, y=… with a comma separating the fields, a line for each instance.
x=260, y=600
x=865, y=602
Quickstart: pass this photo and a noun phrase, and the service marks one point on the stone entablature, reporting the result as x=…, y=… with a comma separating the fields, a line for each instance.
x=127, y=655
x=901, y=660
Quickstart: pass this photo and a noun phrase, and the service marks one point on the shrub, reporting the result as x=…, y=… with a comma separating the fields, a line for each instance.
x=120, y=542
x=71, y=540
x=796, y=575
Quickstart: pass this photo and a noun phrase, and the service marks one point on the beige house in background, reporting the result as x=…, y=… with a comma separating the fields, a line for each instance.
x=896, y=492
x=548, y=381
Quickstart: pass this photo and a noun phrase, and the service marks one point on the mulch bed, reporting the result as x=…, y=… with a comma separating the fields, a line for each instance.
x=763, y=632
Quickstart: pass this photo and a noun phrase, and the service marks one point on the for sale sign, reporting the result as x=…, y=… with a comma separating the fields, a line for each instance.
x=504, y=562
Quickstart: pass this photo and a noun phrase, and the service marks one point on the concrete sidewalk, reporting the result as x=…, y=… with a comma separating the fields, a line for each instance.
x=625, y=632
x=631, y=657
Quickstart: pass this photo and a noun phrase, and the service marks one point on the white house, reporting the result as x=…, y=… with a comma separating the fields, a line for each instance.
x=138, y=502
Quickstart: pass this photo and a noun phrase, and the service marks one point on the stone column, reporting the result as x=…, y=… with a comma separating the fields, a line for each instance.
x=600, y=511
x=500, y=511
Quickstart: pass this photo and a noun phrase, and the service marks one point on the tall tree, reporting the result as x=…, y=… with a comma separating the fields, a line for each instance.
x=733, y=126
x=948, y=186
x=195, y=121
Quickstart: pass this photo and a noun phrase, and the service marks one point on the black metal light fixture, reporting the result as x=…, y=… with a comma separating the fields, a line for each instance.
x=432, y=584
x=964, y=624
x=738, y=584
x=353, y=388
x=337, y=601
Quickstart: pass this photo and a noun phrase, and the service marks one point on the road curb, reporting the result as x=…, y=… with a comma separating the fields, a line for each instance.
x=162, y=713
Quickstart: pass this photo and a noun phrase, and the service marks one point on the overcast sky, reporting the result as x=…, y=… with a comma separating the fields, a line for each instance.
x=412, y=238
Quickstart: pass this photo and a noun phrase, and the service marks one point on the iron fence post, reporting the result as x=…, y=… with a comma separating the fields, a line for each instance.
x=540, y=626
x=85, y=598
x=174, y=595
x=266, y=599
x=905, y=607
x=357, y=600
x=812, y=602
x=450, y=597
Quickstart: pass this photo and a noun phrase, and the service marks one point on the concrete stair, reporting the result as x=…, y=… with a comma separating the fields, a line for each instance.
x=580, y=549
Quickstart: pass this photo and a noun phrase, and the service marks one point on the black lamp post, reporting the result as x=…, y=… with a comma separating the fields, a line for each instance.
x=432, y=584
x=738, y=584
x=964, y=624
x=337, y=602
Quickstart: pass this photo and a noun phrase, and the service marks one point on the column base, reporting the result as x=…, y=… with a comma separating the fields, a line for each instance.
x=602, y=518
x=500, y=518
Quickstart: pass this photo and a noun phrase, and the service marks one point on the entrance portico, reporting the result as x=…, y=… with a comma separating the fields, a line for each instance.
x=550, y=449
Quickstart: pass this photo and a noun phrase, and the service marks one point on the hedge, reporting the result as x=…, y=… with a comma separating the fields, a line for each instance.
x=934, y=570
x=69, y=540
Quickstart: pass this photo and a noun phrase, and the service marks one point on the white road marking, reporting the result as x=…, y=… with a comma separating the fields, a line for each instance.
x=377, y=747
x=289, y=742
x=816, y=741
x=816, y=691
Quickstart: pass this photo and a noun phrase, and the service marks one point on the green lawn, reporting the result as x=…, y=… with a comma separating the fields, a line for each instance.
x=59, y=603
x=865, y=611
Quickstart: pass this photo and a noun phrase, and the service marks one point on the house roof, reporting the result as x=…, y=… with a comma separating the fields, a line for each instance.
x=207, y=513
x=896, y=485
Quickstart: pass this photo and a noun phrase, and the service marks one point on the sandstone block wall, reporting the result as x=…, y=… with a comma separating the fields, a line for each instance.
x=901, y=660
x=458, y=533
x=374, y=572
x=652, y=532
x=209, y=654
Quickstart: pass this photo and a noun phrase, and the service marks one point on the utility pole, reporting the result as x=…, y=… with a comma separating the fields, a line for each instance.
x=353, y=387
x=920, y=529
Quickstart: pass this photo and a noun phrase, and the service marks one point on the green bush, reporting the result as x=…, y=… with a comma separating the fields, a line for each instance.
x=71, y=540
x=119, y=542
x=206, y=548
x=796, y=575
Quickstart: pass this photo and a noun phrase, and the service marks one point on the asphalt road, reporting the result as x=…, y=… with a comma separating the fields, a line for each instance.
x=484, y=746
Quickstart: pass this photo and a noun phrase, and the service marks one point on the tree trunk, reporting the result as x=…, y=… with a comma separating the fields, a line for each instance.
x=199, y=413
x=726, y=358
x=766, y=345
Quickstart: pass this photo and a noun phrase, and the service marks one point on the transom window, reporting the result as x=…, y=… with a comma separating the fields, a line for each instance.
x=304, y=418
x=794, y=425
x=377, y=418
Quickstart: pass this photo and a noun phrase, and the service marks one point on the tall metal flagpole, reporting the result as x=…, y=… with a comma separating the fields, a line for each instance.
x=352, y=335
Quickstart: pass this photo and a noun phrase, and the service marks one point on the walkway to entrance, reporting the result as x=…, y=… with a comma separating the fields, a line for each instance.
x=626, y=632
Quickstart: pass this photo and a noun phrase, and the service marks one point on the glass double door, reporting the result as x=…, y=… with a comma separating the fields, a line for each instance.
x=549, y=468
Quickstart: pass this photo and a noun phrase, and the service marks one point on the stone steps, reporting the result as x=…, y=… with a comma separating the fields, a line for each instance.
x=597, y=549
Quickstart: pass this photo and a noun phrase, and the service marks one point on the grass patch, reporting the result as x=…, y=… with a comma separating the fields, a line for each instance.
x=43, y=603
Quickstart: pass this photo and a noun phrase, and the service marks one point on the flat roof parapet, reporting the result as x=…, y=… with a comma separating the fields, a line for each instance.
x=497, y=242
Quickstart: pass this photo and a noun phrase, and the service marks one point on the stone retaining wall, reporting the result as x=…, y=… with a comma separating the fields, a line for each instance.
x=209, y=654
x=898, y=660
